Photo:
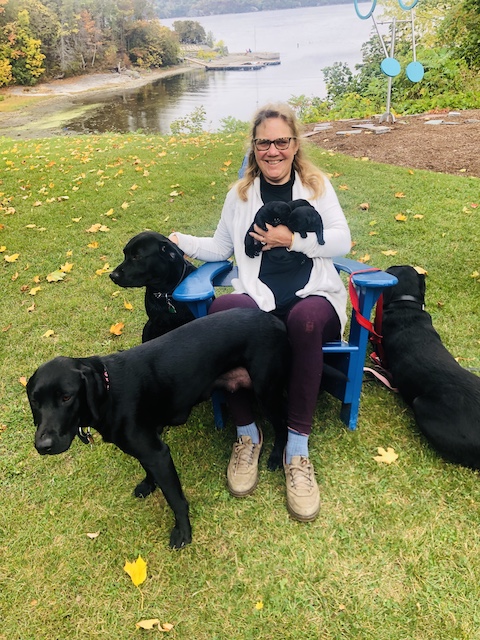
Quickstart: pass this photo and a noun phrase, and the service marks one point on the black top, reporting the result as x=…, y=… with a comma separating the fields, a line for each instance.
x=284, y=272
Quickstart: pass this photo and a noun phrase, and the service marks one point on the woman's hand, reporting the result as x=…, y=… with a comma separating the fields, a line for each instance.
x=173, y=238
x=273, y=237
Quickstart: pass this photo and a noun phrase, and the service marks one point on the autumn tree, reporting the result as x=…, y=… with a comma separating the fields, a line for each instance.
x=21, y=51
x=190, y=32
x=151, y=45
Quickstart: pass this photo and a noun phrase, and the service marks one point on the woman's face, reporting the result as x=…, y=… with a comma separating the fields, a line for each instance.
x=275, y=165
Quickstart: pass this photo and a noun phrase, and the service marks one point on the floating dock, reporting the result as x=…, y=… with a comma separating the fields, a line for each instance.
x=238, y=61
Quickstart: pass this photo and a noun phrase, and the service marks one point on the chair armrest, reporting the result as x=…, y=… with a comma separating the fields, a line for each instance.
x=198, y=285
x=369, y=277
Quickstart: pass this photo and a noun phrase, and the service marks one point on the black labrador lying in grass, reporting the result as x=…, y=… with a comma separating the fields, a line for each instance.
x=445, y=398
x=153, y=261
x=130, y=396
x=298, y=215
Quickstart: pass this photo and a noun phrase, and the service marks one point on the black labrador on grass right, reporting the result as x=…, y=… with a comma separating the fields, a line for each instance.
x=156, y=263
x=130, y=396
x=444, y=396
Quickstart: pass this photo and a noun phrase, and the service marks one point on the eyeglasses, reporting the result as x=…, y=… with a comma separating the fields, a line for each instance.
x=264, y=145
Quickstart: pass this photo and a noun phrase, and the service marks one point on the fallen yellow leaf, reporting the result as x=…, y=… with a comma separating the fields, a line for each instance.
x=3, y=248
x=364, y=206
x=148, y=624
x=23, y=381
x=475, y=274
x=128, y=305
x=387, y=456
x=401, y=217
x=12, y=258
x=259, y=605
x=67, y=267
x=399, y=194
x=137, y=570
x=34, y=290
x=48, y=334
x=55, y=276
x=92, y=536
x=389, y=252
x=421, y=271
x=116, y=330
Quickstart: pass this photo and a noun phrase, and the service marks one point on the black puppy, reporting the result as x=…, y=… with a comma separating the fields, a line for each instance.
x=154, y=262
x=445, y=398
x=130, y=396
x=297, y=215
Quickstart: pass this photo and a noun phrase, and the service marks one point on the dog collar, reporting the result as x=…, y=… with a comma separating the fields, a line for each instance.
x=406, y=298
x=85, y=433
x=168, y=296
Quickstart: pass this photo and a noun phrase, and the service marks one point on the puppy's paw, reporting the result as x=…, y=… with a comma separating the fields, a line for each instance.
x=275, y=461
x=144, y=489
x=252, y=246
x=180, y=537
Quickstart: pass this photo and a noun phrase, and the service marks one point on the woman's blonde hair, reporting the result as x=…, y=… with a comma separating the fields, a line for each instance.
x=309, y=174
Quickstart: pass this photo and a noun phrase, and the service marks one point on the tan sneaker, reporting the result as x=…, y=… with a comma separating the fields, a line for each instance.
x=303, y=496
x=242, y=471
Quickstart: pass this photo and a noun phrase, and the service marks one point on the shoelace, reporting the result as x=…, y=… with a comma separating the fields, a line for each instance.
x=301, y=476
x=244, y=454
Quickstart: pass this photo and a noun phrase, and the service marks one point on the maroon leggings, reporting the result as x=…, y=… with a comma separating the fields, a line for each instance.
x=310, y=323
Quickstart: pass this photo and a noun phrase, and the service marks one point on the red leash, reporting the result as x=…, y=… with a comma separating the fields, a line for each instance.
x=378, y=355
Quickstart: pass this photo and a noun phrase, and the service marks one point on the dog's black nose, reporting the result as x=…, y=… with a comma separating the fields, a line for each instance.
x=114, y=276
x=44, y=445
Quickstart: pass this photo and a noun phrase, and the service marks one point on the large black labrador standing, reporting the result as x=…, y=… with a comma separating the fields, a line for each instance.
x=130, y=396
x=154, y=262
x=444, y=396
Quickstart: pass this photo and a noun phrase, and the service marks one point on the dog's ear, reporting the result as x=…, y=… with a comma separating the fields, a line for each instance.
x=422, y=285
x=170, y=251
x=94, y=387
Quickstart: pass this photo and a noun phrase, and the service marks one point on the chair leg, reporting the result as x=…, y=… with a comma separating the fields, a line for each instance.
x=218, y=399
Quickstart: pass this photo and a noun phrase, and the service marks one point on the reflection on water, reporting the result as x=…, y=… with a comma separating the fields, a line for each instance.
x=147, y=108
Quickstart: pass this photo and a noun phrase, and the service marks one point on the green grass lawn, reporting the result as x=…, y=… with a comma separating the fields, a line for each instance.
x=394, y=552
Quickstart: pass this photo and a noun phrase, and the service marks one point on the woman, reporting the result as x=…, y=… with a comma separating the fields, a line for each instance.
x=294, y=278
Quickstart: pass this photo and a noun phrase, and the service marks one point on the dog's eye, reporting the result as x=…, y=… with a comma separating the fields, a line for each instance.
x=66, y=398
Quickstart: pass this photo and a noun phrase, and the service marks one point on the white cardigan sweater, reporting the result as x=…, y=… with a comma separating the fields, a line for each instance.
x=229, y=236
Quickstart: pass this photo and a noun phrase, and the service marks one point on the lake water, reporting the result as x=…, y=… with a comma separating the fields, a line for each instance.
x=307, y=39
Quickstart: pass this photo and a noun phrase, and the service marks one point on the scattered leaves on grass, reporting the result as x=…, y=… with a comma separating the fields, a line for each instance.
x=95, y=228
x=93, y=536
x=56, y=276
x=421, y=270
x=116, y=330
x=386, y=456
x=154, y=623
x=137, y=570
x=104, y=269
